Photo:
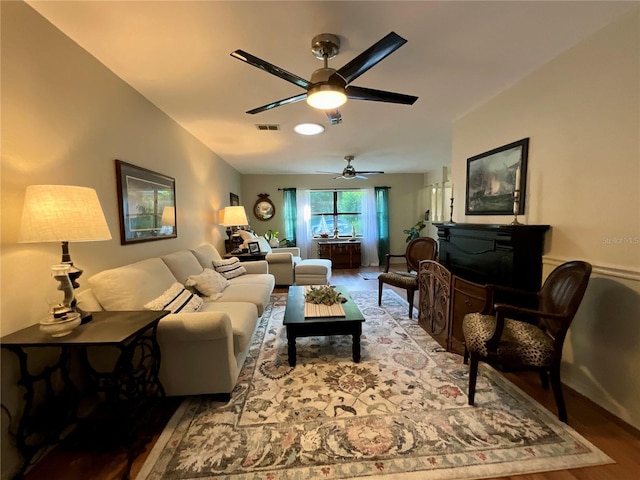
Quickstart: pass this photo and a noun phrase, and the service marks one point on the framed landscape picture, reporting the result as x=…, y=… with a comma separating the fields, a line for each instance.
x=492, y=178
x=146, y=204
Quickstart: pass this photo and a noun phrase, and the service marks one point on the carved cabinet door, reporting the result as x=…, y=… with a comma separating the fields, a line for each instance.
x=434, y=282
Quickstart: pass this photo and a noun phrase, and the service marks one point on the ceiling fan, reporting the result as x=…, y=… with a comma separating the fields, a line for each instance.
x=350, y=172
x=330, y=88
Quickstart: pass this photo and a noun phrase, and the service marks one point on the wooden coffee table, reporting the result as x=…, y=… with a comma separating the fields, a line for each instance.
x=299, y=326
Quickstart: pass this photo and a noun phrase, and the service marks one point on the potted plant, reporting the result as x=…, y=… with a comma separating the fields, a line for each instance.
x=414, y=232
x=272, y=238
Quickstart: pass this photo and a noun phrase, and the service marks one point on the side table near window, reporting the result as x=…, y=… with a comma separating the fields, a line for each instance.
x=343, y=254
x=125, y=389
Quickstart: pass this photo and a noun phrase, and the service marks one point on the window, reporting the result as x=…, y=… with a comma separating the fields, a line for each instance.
x=341, y=208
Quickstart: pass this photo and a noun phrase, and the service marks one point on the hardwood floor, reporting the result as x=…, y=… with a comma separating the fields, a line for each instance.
x=618, y=440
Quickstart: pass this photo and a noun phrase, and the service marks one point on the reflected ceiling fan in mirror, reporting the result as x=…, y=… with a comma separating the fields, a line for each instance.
x=329, y=88
x=349, y=172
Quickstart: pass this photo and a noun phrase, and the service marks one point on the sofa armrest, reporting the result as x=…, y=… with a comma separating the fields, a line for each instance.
x=256, y=266
x=194, y=327
x=280, y=258
x=295, y=251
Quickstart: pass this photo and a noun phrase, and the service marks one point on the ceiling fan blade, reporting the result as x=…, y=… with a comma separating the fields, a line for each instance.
x=370, y=173
x=360, y=177
x=270, y=68
x=329, y=173
x=334, y=116
x=372, y=55
x=361, y=93
x=279, y=103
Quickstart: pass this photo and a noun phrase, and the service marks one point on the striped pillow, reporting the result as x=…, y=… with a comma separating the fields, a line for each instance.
x=176, y=299
x=229, y=268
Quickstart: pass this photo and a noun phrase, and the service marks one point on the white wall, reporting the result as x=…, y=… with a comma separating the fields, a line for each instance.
x=65, y=119
x=582, y=114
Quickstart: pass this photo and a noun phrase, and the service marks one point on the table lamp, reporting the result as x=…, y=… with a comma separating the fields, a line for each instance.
x=235, y=217
x=63, y=213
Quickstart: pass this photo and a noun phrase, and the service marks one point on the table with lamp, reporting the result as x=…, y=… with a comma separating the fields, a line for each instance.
x=234, y=218
x=61, y=213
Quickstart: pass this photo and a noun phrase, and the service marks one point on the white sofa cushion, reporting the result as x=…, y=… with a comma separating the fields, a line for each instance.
x=243, y=320
x=206, y=254
x=255, y=293
x=182, y=264
x=209, y=283
x=176, y=299
x=131, y=286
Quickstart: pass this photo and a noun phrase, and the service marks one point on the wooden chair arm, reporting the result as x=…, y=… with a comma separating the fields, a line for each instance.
x=500, y=293
x=388, y=257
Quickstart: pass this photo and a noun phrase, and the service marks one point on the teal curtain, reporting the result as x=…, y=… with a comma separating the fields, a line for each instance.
x=382, y=206
x=290, y=214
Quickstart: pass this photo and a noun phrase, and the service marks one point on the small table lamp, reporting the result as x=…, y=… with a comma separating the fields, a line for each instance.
x=63, y=213
x=235, y=217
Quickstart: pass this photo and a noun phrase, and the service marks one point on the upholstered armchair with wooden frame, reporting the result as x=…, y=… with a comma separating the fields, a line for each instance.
x=418, y=249
x=495, y=336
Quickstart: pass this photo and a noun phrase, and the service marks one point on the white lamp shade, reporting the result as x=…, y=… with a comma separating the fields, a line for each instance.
x=168, y=217
x=235, y=216
x=62, y=213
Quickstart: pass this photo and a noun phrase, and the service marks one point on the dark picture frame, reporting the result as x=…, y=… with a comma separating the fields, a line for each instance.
x=234, y=200
x=491, y=179
x=254, y=247
x=146, y=204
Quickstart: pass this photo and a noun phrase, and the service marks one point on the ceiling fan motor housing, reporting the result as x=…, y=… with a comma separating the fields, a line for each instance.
x=325, y=44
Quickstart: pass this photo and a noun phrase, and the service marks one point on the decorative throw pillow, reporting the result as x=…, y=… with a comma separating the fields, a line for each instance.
x=209, y=283
x=229, y=268
x=176, y=299
x=246, y=235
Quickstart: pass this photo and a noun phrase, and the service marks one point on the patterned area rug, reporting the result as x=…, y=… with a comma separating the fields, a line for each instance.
x=401, y=413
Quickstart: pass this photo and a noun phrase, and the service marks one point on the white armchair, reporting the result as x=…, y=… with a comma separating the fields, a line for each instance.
x=282, y=262
x=286, y=265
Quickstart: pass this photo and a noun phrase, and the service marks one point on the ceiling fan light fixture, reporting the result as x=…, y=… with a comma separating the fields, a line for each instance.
x=326, y=97
x=308, y=128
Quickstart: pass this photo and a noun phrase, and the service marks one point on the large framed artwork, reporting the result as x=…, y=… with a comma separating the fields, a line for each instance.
x=492, y=178
x=146, y=203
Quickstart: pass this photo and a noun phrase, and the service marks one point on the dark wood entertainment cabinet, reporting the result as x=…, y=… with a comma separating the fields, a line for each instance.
x=479, y=254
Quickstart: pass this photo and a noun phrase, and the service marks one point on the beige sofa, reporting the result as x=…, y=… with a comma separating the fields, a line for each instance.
x=286, y=265
x=202, y=352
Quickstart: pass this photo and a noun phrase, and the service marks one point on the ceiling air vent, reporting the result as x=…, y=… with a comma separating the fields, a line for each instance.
x=265, y=126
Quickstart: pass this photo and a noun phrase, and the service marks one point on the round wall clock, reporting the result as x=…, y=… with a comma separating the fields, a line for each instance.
x=264, y=208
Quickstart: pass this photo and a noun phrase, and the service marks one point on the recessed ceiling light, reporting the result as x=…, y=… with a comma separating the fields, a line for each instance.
x=308, y=129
